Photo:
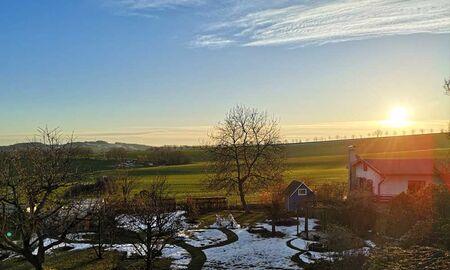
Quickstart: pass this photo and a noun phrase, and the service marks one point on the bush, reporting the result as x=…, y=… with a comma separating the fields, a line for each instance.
x=414, y=258
x=344, y=262
x=339, y=238
x=420, y=234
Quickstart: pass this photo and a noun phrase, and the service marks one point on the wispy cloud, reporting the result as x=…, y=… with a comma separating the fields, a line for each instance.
x=149, y=8
x=321, y=22
x=211, y=41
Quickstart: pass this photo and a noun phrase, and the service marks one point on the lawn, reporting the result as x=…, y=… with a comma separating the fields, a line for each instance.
x=82, y=260
x=317, y=162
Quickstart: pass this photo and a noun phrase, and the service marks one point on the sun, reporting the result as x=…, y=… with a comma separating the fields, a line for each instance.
x=398, y=117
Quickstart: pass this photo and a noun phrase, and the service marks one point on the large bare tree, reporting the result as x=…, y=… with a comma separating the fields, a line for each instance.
x=246, y=154
x=34, y=217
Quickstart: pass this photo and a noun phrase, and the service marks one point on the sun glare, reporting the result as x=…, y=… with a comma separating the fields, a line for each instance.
x=398, y=117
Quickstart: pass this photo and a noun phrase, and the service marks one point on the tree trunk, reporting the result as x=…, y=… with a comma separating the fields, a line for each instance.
x=34, y=260
x=242, y=196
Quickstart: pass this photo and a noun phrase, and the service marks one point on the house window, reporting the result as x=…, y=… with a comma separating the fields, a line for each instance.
x=414, y=186
x=302, y=191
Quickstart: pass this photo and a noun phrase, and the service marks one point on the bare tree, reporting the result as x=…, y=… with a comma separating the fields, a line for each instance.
x=273, y=201
x=123, y=184
x=104, y=221
x=447, y=86
x=153, y=220
x=246, y=155
x=378, y=133
x=32, y=208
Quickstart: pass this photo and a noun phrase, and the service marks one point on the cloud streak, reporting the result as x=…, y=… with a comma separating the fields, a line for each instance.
x=197, y=135
x=319, y=22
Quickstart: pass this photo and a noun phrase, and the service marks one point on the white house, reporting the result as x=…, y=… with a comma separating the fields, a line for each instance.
x=389, y=177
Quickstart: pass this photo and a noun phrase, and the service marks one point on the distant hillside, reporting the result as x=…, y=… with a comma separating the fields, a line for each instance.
x=97, y=146
x=422, y=145
x=102, y=146
x=394, y=144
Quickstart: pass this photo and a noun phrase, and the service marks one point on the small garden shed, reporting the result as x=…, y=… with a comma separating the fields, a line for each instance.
x=297, y=193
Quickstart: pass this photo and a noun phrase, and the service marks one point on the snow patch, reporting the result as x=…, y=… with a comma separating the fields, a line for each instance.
x=207, y=237
x=251, y=252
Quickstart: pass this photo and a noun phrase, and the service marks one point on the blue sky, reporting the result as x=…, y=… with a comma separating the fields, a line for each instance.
x=164, y=71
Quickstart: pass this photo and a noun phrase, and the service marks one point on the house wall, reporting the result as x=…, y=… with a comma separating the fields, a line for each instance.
x=369, y=174
x=293, y=200
x=394, y=185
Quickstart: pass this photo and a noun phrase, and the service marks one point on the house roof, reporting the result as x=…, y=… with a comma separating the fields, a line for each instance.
x=401, y=166
x=293, y=186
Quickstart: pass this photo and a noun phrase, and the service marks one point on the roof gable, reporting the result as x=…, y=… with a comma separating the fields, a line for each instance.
x=294, y=186
x=400, y=166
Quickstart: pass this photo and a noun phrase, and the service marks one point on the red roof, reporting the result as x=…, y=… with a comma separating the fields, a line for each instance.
x=401, y=166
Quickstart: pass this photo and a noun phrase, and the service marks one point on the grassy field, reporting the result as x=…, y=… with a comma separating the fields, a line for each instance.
x=318, y=162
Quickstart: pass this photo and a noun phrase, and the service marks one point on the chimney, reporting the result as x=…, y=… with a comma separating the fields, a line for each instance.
x=352, y=158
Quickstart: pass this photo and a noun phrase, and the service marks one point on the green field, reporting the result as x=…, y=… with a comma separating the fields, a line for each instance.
x=317, y=162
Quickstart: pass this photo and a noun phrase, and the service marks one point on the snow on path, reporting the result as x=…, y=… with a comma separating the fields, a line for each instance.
x=301, y=244
x=200, y=238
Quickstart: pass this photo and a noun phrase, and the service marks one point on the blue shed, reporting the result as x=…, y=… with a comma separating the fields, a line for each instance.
x=297, y=193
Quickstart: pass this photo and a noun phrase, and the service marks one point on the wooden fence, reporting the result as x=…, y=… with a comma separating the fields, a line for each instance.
x=207, y=203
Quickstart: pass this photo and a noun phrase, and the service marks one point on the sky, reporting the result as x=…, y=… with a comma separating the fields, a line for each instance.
x=166, y=71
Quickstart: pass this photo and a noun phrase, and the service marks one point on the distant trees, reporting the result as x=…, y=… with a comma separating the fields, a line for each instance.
x=118, y=154
x=83, y=152
x=34, y=217
x=246, y=155
x=167, y=156
x=378, y=133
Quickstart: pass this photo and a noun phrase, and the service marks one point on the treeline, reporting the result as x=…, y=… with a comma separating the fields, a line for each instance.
x=156, y=156
x=167, y=156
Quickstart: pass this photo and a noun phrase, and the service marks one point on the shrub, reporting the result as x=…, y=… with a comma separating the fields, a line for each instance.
x=339, y=238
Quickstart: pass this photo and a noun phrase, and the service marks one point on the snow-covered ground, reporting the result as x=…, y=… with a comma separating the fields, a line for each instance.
x=254, y=252
x=79, y=236
x=291, y=231
x=181, y=257
x=301, y=244
x=251, y=252
x=73, y=246
x=130, y=223
x=207, y=237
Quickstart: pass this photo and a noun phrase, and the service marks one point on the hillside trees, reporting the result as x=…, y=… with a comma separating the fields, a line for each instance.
x=167, y=156
x=246, y=154
x=118, y=154
x=34, y=217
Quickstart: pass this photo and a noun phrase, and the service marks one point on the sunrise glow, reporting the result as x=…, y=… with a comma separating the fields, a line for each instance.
x=398, y=118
